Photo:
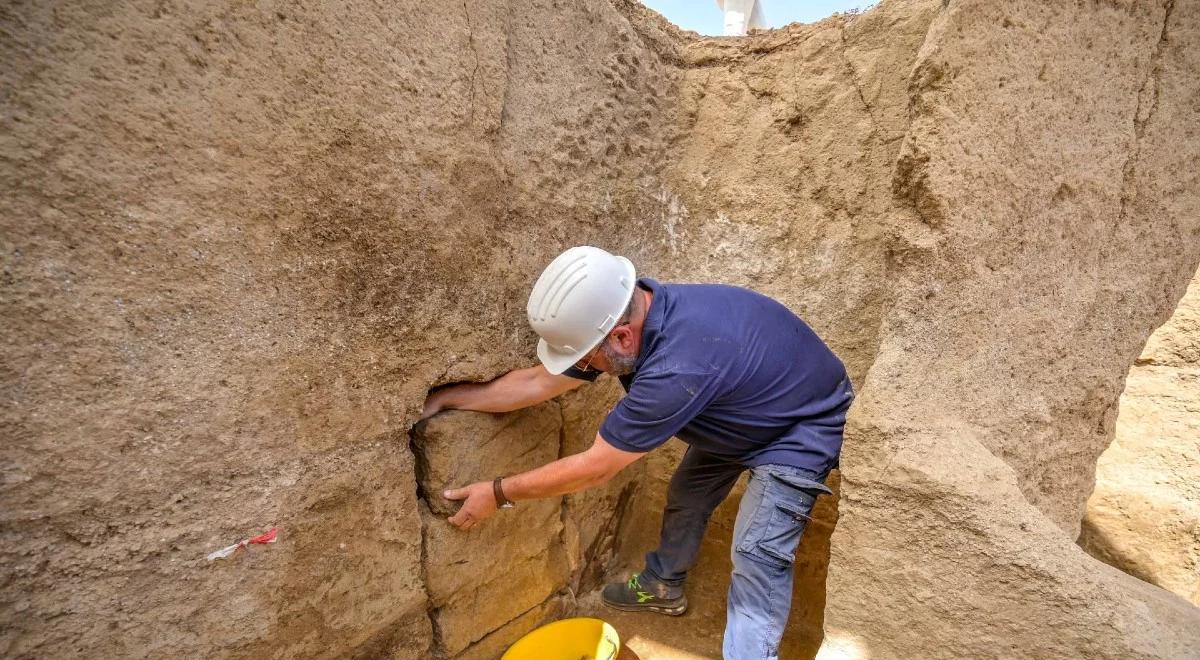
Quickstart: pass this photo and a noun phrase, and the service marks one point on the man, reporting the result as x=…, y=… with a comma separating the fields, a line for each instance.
x=731, y=372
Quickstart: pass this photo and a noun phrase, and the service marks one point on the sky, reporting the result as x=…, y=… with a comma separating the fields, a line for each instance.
x=705, y=17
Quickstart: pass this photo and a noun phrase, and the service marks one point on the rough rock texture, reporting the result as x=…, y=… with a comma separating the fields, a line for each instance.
x=500, y=579
x=480, y=580
x=496, y=642
x=1051, y=221
x=1144, y=516
x=240, y=242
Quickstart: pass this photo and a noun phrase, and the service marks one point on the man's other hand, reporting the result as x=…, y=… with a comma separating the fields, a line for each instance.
x=480, y=502
x=434, y=404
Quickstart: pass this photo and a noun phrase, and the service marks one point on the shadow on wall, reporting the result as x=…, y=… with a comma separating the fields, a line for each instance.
x=1144, y=515
x=1096, y=540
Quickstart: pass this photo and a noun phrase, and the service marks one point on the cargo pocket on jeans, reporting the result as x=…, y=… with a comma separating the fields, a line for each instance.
x=782, y=535
x=784, y=513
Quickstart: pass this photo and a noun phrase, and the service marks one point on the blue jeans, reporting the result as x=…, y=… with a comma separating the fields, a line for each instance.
x=773, y=514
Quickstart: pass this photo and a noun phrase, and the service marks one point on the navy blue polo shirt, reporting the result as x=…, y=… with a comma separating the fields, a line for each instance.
x=734, y=374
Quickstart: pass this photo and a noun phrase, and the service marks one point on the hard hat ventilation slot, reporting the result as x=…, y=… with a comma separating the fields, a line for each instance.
x=562, y=296
x=563, y=279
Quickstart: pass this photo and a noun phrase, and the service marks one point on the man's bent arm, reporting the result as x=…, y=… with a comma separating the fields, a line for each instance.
x=573, y=473
x=566, y=475
x=516, y=389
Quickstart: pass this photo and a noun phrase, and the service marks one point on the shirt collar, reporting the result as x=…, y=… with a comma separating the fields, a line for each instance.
x=652, y=326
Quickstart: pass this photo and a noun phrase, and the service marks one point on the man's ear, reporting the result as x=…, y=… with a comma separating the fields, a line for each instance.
x=624, y=337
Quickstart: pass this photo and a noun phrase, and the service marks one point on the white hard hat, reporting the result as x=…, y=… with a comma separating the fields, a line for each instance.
x=576, y=301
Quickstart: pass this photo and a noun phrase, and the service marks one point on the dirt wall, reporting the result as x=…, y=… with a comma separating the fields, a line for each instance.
x=240, y=243
x=1050, y=167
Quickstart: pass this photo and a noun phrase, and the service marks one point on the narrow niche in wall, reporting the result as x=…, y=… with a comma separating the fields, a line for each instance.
x=489, y=585
x=522, y=567
x=1144, y=515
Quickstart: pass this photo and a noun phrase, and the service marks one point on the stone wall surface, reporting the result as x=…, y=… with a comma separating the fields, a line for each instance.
x=241, y=242
x=1050, y=169
x=593, y=519
x=1144, y=516
x=480, y=580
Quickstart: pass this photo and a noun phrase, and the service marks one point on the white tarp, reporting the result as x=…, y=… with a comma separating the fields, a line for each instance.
x=741, y=16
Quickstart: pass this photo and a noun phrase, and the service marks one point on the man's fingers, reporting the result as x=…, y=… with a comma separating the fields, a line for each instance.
x=462, y=520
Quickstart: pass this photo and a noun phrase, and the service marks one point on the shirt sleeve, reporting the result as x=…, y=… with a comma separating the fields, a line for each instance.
x=589, y=375
x=656, y=408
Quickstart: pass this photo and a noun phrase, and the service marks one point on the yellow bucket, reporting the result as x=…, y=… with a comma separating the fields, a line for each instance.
x=568, y=639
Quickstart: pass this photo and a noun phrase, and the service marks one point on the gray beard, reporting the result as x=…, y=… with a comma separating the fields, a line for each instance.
x=618, y=364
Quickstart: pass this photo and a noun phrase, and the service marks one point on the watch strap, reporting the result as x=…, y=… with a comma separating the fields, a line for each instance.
x=501, y=501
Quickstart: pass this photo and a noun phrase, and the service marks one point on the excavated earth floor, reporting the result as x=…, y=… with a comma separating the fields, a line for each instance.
x=698, y=633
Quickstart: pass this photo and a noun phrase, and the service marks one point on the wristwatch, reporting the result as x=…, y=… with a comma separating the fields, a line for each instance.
x=501, y=501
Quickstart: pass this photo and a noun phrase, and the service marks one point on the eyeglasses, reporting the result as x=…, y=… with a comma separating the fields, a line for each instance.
x=596, y=351
x=588, y=364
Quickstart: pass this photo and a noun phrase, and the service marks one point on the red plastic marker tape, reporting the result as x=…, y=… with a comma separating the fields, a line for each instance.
x=261, y=539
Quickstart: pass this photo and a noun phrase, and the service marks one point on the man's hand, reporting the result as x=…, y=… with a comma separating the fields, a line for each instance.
x=434, y=404
x=566, y=475
x=480, y=503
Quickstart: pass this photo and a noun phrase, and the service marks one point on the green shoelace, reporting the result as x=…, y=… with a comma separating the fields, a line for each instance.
x=636, y=587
